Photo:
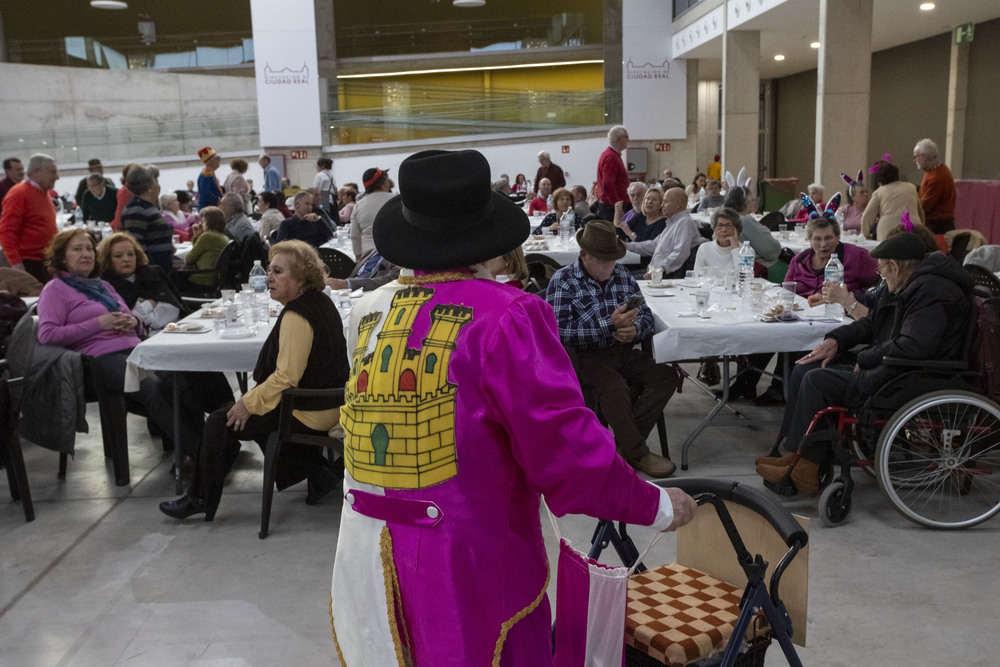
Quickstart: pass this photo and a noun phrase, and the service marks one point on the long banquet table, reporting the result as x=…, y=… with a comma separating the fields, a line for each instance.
x=726, y=333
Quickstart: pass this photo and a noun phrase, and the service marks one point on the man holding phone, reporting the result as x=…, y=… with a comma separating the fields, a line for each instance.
x=602, y=314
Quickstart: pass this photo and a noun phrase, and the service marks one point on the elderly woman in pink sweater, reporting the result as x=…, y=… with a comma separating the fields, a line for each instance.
x=79, y=311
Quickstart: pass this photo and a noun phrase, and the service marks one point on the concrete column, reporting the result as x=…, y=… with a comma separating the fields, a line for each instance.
x=958, y=84
x=740, y=101
x=612, y=29
x=843, y=90
x=326, y=60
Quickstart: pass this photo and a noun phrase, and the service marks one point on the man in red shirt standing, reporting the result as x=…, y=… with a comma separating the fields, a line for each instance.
x=937, y=189
x=612, y=179
x=28, y=220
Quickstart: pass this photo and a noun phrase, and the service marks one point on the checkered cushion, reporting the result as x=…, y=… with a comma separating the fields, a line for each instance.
x=678, y=615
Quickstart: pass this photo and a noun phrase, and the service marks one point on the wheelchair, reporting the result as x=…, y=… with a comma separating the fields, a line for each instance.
x=930, y=437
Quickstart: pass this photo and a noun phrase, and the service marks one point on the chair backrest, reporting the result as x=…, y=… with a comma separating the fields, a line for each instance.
x=984, y=278
x=542, y=259
x=337, y=263
x=227, y=274
x=251, y=249
x=21, y=347
x=773, y=221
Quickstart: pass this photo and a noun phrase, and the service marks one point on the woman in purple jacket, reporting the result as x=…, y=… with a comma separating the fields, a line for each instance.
x=79, y=311
x=808, y=267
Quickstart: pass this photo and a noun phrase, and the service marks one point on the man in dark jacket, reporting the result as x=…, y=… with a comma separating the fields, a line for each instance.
x=924, y=313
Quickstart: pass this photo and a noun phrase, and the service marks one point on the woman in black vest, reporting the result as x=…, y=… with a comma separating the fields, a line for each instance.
x=305, y=349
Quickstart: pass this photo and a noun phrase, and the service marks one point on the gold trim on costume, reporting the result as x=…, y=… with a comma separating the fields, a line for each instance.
x=435, y=278
x=507, y=625
x=333, y=627
x=391, y=583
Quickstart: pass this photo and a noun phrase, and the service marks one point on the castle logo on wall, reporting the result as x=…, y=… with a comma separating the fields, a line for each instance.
x=399, y=411
x=285, y=75
x=648, y=70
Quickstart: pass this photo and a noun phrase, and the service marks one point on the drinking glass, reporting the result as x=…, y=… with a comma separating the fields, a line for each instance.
x=690, y=278
x=656, y=275
x=228, y=295
x=701, y=301
x=787, y=296
x=176, y=240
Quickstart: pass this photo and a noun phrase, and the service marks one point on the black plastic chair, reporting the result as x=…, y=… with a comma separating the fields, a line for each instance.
x=225, y=271
x=10, y=444
x=984, y=278
x=295, y=399
x=339, y=265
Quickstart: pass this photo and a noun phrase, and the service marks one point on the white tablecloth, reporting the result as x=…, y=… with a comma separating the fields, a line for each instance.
x=725, y=333
x=567, y=253
x=194, y=352
x=181, y=250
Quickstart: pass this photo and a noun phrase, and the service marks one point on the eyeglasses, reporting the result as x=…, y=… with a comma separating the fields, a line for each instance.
x=725, y=225
x=881, y=266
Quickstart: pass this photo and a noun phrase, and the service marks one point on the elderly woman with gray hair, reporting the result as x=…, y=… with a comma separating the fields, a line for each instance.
x=141, y=217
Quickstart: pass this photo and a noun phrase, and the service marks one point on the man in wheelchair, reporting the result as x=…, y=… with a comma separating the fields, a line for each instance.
x=923, y=314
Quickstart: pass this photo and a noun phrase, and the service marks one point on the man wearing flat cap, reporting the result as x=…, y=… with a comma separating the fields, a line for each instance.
x=924, y=313
x=460, y=412
x=590, y=300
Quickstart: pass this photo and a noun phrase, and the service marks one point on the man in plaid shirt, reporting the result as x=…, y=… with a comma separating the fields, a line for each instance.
x=589, y=298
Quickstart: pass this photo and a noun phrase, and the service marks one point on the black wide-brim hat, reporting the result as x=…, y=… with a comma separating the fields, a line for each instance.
x=447, y=215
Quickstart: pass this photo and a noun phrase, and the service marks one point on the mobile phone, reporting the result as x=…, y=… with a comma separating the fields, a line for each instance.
x=635, y=301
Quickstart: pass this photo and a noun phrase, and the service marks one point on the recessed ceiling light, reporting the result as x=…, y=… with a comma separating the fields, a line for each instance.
x=814, y=45
x=108, y=4
x=926, y=6
x=779, y=57
x=468, y=3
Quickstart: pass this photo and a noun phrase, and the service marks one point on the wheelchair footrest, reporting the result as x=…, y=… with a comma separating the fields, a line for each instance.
x=782, y=488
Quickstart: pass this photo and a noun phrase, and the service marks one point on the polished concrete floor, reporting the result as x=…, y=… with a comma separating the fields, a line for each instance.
x=101, y=577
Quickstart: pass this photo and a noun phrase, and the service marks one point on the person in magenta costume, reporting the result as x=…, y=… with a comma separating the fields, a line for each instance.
x=461, y=411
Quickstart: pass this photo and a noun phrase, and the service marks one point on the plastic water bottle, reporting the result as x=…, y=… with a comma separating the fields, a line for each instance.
x=78, y=216
x=258, y=284
x=834, y=273
x=566, y=227
x=744, y=269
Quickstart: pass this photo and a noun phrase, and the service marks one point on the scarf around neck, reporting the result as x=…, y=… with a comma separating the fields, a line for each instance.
x=93, y=289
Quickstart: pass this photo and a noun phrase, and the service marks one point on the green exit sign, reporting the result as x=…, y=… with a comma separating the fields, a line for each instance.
x=963, y=33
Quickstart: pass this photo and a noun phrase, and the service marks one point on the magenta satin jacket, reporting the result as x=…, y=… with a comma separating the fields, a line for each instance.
x=462, y=410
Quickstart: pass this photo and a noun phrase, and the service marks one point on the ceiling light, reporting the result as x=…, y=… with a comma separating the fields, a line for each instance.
x=108, y=4
x=468, y=3
x=926, y=6
x=779, y=57
x=447, y=70
x=814, y=45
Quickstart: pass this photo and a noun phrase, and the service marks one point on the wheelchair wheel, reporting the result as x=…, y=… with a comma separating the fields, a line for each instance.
x=938, y=459
x=835, y=504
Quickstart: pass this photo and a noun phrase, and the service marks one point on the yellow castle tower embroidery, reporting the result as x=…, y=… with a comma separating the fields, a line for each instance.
x=399, y=411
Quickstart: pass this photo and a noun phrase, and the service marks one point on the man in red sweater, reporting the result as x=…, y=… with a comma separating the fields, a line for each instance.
x=937, y=189
x=612, y=179
x=28, y=220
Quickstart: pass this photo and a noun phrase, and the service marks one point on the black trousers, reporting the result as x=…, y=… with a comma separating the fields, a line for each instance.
x=220, y=445
x=632, y=391
x=108, y=374
x=812, y=388
x=36, y=268
x=200, y=393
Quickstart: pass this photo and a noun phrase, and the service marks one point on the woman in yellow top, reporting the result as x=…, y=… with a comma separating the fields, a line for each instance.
x=306, y=348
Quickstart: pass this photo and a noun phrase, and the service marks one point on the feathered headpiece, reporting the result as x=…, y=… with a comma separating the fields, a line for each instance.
x=852, y=183
x=828, y=212
x=885, y=158
x=741, y=181
x=905, y=221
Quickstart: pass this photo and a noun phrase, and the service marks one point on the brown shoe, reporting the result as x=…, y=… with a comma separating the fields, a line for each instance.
x=654, y=465
x=805, y=476
x=779, y=461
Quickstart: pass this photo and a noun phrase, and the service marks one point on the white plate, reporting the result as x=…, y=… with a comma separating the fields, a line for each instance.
x=246, y=333
x=189, y=329
x=659, y=294
x=660, y=286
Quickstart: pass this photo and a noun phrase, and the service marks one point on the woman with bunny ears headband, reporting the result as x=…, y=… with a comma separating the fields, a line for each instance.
x=858, y=196
x=741, y=198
